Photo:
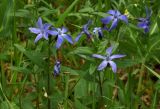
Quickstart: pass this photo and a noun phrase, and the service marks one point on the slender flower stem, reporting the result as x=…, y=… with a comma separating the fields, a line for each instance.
x=48, y=82
x=101, y=90
x=94, y=90
x=140, y=78
x=100, y=84
x=5, y=97
x=66, y=89
x=140, y=81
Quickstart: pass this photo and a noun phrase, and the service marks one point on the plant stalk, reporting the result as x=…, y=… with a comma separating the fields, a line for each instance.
x=66, y=90
x=48, y=78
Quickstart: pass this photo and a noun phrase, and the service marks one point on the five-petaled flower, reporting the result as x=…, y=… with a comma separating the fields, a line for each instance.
x=84, y=31
x=98, y=30
x=108, y=59
x=115, y=16
x=41, y=30
x=57, y=66
x=60, y=33
x=145, y=22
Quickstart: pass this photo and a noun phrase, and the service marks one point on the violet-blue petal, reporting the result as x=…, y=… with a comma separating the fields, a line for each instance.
x=116, y=56
x=124, y=18
x=112, y=12
x=78, y=37
x=68, y=38
x=53, y=32
x=117, y=13
x=146, y=29
x=39, y=36
x=35, y=30
x=86, y=26
x=102, y=65
x=113, y=66
x=39, y=23
x=141, y=19
x=45, y=35
x=141, y=24
x=107, y=19
x=64, y=29
x=98, y=56
x=114, y=24
x=59, y=41
x=46, y=26
x=109, y=50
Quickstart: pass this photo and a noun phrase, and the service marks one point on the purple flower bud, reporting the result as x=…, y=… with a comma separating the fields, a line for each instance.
x=57, y=68
x=84, y=31
x=144, y=23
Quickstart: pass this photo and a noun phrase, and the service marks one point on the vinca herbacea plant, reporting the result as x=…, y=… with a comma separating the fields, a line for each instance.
x=79, y=54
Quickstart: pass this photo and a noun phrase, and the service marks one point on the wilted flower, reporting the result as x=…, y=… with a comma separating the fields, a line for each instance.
x=57, y=68
x=115, y=16
x=98, y=30
x=61, y=34
x=84, y=31
x=41, y=30
x=108, y=59
x=145, y=22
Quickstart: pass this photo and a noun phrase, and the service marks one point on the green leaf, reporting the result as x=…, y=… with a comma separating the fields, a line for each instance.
x=20, y=69
x=92, y=68
x=127, y=63
x=71, y=71
x=5, y=105
x=87, y=9
x=22, y=13
x=35, y=57
x=82, y=50
x=3, y=56
x=81, y=88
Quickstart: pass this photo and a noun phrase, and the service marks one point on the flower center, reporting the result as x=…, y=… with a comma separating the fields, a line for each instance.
x=42, y=31
x=116, y=15
x=60, y=32
x=107, y=57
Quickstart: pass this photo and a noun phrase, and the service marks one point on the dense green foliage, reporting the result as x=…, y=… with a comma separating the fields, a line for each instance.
x=26, y=68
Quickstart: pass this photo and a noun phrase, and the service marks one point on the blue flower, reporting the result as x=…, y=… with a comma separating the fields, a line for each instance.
x=57, y=66
x=98, y=30
x=115, y=16
x=61, y=34
x=144, y=23
x=107, y=60
x=41, y=30
x=84, y=31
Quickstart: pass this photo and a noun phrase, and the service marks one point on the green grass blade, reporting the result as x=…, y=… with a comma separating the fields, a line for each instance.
x=65, y=14
x=153, y=72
